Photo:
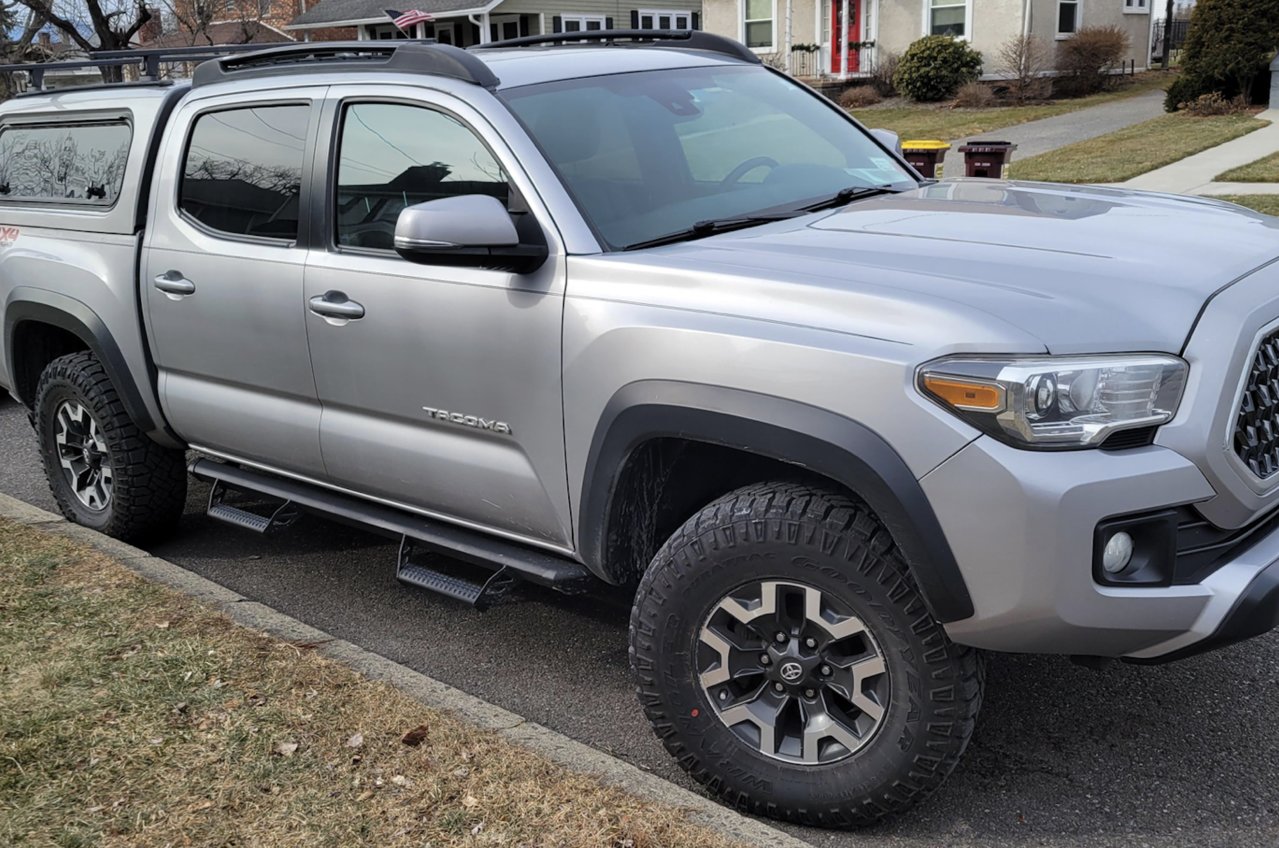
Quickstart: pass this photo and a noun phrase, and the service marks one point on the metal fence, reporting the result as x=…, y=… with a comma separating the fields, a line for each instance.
x=1176, y=33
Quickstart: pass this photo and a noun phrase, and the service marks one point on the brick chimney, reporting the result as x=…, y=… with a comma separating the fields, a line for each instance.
x=46, y=40
x=152, y=29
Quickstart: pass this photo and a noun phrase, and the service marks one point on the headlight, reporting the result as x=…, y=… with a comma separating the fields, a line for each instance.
x=1057, y=402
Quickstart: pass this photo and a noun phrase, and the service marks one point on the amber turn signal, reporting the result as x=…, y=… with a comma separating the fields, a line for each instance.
x=965, y=394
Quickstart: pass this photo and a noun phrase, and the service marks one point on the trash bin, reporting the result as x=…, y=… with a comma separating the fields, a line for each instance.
x=924, y=154
x=986, y=158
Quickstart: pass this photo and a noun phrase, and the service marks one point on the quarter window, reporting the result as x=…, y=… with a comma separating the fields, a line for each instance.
x=1067, y=17
x=392, y=156
x=64, y=163
x=948, y=17
x=758, y=23
x=243, y=171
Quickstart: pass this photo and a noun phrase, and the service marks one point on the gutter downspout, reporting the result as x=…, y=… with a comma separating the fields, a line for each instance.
x=1025, y=18
x=484, y=31
x=843, y=40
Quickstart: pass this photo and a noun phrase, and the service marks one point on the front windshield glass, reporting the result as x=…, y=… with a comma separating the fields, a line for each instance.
x=654, y=153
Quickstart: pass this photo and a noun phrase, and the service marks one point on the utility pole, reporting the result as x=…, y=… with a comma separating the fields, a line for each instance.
x=1168, y=35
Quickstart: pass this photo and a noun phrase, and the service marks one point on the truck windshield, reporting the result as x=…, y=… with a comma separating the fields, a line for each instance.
x=656, y=156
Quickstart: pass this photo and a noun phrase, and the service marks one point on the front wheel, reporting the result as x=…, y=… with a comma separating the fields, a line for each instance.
x=103, y=471
x=786, y=659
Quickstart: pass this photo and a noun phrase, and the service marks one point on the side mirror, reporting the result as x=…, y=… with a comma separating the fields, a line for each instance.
x=471, y=230
x=889, y=139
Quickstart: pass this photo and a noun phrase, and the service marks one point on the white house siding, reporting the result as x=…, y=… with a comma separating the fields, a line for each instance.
x=1043, y=23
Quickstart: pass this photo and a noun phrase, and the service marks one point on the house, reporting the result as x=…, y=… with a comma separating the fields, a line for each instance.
x=189, y=23
x=467, y=22
x=809, y=38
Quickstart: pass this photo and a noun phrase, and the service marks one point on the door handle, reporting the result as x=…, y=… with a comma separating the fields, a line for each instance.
x=174, y=284
x=335, y=304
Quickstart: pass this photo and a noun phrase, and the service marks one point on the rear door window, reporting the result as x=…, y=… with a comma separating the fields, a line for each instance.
x=81, y=163
x=243, y=171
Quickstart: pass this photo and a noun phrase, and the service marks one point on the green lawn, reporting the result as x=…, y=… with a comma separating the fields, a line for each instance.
x=1262, y=171
x=1265, y=203
x=1134, y=150
x=929, y=120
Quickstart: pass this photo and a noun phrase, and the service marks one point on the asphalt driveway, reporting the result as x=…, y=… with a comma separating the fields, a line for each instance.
x=1179, y=755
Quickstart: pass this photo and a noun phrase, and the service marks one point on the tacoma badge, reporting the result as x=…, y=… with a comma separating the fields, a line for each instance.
x=468, y=420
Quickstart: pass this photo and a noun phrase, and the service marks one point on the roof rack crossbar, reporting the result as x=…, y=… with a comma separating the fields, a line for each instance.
x=147, y=61
x=689, y=39
x=420, y=56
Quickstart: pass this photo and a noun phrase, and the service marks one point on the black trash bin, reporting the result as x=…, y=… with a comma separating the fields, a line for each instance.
x=924, y=155
x=986, y=158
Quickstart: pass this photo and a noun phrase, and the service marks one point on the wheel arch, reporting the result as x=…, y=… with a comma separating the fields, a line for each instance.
x=30, y=312
x=808, y=441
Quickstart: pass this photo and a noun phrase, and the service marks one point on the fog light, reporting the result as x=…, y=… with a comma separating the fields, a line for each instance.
x=1118, y=553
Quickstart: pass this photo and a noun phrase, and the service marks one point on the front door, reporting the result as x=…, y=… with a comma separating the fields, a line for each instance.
x=222, y=278
x=842, y=34
x=441, y=392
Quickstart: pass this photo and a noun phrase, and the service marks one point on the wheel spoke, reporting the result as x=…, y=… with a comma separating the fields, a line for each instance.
x=82, y=454
x=763, y=713
x=819, y=725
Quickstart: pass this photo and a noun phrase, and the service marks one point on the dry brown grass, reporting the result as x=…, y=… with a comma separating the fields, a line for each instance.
x=133, y=716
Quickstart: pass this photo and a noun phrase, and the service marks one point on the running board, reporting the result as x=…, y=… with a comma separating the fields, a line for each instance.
x=470, y=546
x=481, y=594
x=218, y=509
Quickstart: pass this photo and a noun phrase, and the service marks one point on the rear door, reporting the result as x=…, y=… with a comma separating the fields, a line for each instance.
x=444, y=394
x=222, y=276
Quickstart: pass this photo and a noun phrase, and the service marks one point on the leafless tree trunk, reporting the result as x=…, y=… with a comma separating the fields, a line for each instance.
x=113, y=23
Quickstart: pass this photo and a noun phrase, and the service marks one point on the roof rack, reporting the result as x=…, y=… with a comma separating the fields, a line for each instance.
x=689, y=39
x=147, y=61
x=418, y=56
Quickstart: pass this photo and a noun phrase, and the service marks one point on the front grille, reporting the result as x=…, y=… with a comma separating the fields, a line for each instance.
x=1257, y=428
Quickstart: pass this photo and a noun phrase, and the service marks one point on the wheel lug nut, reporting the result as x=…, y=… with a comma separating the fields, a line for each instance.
x=808, y=693
x=781, y=637
x=723, y=694
x=826, y=670
x=810, y=642
x=779, y=687
x=765, y=659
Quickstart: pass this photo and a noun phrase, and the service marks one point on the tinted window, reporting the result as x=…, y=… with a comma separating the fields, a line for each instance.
x=393, y=156
x=654, y=153
x=243, y=170
x=82, y=163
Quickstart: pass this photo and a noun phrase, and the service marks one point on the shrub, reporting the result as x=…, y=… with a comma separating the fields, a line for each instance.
x=974, y=95
x=1213, y=103
x=859, y=96
x=1227, y=50
x=934, y=67
x=881, y=74
x=1025, y=59
x=1087, y=58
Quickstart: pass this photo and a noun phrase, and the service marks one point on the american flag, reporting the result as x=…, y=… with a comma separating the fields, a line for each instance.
x=404, y=20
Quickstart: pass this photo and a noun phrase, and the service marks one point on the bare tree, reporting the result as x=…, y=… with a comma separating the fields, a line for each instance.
x=95, y=24
x=1025, y=60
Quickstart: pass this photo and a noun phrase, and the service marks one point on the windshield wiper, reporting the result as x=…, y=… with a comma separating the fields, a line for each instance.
x=847, y=195
x=701, y=229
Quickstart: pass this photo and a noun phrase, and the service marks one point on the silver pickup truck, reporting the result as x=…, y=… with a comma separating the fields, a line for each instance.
x=634, y=308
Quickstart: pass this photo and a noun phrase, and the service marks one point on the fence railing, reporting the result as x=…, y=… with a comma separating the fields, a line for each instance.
x=1176, y=33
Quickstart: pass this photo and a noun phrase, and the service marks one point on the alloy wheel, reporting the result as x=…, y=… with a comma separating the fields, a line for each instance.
x=793, y=672
x=83, y=455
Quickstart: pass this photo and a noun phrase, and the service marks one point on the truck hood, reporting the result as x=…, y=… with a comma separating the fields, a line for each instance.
x=1082, y=269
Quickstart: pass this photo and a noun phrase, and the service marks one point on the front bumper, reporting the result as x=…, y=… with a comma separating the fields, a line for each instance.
x=1021, y=525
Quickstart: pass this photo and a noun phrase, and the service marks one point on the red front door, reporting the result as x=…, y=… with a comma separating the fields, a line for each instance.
x=838, y=30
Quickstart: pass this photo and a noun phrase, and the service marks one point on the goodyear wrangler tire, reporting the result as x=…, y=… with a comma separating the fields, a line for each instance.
x=103, y=471
x=786, y=659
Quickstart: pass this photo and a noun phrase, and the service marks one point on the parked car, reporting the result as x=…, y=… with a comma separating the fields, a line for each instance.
x=634, y=308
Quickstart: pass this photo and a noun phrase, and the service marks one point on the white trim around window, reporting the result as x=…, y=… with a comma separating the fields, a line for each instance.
x=583, y=22
x=665, y=19
x=947, y=8
x=758, y=22
x=1136, y=7
x=1078, y=7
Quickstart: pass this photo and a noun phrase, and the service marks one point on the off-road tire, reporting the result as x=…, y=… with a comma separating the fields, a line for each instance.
x=793, y=532
x=149, y=482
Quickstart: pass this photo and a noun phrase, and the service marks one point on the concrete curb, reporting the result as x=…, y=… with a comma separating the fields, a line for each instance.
x=515, y=728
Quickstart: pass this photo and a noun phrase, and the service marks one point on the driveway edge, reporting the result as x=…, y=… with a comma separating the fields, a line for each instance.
x=518, y=730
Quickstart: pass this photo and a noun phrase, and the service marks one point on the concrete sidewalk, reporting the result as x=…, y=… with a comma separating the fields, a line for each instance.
x=1197, y=174
x=1051, y=133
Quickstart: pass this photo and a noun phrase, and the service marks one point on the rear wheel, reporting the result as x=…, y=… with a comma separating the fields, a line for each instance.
x=786, y=659
x=103, y=471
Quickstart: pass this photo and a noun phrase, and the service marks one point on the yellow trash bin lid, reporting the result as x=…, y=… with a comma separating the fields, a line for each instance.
x=925, y=144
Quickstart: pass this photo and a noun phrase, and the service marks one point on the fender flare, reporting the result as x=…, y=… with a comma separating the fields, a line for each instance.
x=67, y=313
x=789, y=431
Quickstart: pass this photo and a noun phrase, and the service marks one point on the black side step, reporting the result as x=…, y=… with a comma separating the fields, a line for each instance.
x=496, y=588
x=536, y=566
x=282, y=516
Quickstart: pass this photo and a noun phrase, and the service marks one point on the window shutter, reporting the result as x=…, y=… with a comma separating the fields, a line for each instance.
x=557, y=24
x=524, y=28
x=635, y=19
x=608, y=23
x=697, y=21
